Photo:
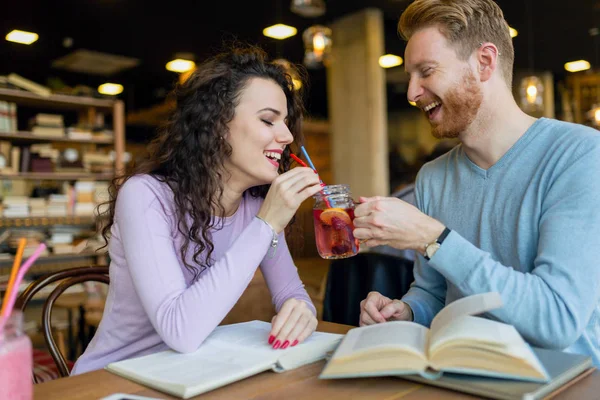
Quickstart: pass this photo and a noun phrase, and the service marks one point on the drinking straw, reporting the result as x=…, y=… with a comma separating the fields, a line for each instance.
x=314, y=169
x=299, y=161
x=10, y=302
x=308, y=158
x=13, y=273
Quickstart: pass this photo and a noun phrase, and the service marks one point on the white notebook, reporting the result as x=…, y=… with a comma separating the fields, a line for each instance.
x=229, y=354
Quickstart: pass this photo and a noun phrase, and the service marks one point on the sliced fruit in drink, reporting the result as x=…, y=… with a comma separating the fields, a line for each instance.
x=327, y=216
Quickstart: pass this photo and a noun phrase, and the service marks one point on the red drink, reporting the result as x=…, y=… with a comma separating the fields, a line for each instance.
x=333, y=232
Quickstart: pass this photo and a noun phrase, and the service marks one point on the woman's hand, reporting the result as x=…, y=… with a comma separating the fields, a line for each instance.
x=286, y=194
x=292, y=325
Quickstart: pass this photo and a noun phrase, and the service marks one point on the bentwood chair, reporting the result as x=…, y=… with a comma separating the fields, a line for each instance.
x=67, y=278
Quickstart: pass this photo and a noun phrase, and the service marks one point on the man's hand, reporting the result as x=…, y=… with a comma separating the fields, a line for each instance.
x=393, y=222
x=377, y=308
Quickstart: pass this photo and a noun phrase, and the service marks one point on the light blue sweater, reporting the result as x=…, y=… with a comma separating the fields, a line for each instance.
x=528, y=228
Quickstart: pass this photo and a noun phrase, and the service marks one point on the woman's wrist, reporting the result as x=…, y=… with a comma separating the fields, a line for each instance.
x=274, y=239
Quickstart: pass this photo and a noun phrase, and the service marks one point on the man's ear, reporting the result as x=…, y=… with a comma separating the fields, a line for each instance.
x=487, y=60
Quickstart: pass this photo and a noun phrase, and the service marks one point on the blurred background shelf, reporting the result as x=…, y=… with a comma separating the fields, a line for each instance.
x=45, y=221
x=57, y=176
x=28, y=137
x=59, y=101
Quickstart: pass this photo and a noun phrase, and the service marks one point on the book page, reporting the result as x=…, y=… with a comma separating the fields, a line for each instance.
x=480, y=331
x=471, y=305
x=254, y=335
x=229, y=353
x=205, y=369
x=316, y=347
x=404, y=335
x=484, y=334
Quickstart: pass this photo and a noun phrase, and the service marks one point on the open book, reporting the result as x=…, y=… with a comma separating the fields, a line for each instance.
x=457, y=342
x=229, y=354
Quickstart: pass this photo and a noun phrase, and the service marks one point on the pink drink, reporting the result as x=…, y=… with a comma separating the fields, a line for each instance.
x=16, y=361
x=333, y=233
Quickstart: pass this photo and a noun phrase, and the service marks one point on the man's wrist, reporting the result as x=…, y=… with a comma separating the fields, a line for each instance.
x=411, y=316
x=431, y=233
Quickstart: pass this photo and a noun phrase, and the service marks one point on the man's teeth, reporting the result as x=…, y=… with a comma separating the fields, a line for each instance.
x=432, y=105
x=273, y=155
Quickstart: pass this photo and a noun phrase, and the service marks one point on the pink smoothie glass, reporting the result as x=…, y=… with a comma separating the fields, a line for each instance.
x=16, y=360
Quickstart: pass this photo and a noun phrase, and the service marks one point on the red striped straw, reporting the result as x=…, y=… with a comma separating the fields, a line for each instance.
x=299, y=161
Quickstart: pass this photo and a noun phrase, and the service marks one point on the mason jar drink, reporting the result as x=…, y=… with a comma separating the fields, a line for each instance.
x=333, y=215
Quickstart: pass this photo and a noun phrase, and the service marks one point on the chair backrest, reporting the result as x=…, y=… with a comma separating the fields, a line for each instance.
x=68, y=278
x=350, y=280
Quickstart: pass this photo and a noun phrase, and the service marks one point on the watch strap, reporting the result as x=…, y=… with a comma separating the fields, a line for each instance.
x=443, y=236
x=438, y=241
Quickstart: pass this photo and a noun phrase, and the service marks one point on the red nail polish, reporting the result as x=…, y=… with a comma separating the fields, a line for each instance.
x=295, y=343
x=285, y=344
x=271, y=339
x=276, y=345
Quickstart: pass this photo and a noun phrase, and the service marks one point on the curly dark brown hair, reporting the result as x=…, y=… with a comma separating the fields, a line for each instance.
x=189, y=152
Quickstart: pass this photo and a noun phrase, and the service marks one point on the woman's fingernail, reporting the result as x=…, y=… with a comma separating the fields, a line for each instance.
x=271, y=339
x=295, y=342
x=285, y=344
x=276, y=345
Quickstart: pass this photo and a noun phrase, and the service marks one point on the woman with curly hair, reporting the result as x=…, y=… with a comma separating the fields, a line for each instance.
x=189, y=226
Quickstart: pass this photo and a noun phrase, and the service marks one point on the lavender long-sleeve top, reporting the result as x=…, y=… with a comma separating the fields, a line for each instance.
x=153, y=303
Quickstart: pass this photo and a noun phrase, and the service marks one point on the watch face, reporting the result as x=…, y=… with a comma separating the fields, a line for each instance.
x=431, y=249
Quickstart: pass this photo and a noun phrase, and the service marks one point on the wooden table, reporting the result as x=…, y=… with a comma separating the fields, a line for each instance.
x=301, y=383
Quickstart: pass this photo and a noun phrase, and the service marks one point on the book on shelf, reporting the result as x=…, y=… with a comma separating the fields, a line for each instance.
x=229, y=354
x=43, y=119
x=8, y=117
x=457, y=342
x=24, y=83
x=50, y=131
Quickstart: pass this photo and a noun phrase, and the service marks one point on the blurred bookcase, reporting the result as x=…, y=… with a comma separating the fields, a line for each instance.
x=80, y=188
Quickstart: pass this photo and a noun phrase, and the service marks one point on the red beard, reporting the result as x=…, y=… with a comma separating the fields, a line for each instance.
x=459, y=107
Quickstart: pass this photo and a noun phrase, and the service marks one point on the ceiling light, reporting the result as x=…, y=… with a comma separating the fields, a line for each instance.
x=180, y=65
x=22, y=37
x=317, y=46
x=412, y=103
x=579, y=65
x=308, y=8
x=532, y=94
x=110, y=89
x=280, y=31
x=513, y=32
x=390, y=60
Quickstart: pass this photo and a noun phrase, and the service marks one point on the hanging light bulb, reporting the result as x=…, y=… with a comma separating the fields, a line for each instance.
x=317, y=46
x=532, y=94
x=308, y=8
